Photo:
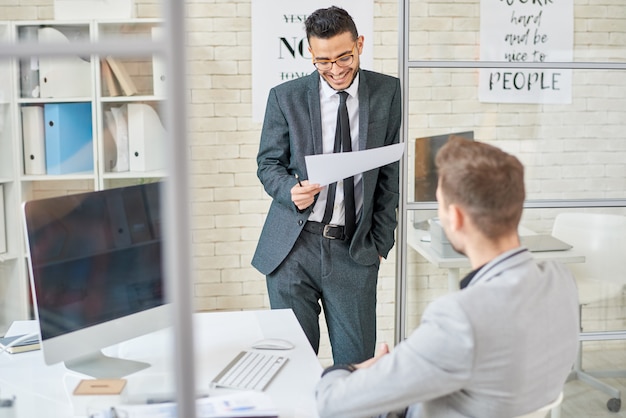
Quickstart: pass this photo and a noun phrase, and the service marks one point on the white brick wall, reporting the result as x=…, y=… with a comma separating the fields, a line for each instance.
x=575, y=150
x=226, y=140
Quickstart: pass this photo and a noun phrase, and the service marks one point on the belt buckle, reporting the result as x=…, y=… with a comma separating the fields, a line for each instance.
x=327, y=229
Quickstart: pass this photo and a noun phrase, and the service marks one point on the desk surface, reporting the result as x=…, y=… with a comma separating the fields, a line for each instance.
x=414, y=239
x=219, y=336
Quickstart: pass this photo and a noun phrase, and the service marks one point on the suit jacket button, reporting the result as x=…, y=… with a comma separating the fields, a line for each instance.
x=300, y=222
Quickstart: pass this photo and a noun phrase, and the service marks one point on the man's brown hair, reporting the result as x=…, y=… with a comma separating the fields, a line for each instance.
x=484, y=180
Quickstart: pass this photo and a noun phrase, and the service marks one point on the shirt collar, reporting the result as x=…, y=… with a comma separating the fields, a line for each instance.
x=328, y=91
x=495, y=266
x=467, y=279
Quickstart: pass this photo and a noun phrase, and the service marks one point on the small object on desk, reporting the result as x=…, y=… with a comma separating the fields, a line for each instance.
x=7, y=408
x=9, y=345
x=543, y=242
x=7, y=403
x=232, y=405
x=273, y=344
x=439, y=241
x=100, y=387
x=168, y=399
x=98, y=395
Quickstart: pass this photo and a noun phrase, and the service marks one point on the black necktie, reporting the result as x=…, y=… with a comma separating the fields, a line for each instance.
x=343, y=142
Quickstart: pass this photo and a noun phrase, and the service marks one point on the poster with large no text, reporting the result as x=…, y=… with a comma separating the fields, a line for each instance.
x=526, y=31
x=280, y=51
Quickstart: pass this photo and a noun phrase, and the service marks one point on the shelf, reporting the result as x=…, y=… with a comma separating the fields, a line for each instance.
x=130, y=99
x=135, y=174
x=26, y=178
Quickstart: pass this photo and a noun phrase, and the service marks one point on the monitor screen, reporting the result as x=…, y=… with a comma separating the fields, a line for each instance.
x=96, y=273
x=426, y=150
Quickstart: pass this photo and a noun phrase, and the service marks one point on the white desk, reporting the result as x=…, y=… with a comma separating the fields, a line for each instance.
x=454, y=264
x=42, y=390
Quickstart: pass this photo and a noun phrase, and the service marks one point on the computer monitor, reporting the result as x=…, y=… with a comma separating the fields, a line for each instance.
x=96, y=275
x=426, y=150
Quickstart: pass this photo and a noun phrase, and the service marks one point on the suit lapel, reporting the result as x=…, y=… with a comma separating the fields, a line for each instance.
x=315, y=113
x=364, y=110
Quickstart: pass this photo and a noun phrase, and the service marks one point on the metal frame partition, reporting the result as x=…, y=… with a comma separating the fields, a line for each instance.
x=405, y=64
x=176, y=196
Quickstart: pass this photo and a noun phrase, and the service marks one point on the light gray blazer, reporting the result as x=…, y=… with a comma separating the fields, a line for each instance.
x=292, y=129
x=502, y=347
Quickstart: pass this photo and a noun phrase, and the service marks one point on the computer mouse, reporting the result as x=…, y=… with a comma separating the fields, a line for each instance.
x=273, y=344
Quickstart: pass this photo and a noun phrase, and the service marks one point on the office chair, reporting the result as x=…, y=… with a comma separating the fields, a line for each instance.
x=553, y=407
x=600, y=237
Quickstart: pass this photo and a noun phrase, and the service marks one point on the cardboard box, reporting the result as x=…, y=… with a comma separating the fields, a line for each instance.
x=439, y=242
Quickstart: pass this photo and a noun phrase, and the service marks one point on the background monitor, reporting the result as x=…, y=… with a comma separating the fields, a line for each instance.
x=96, y=275
x=426, y=178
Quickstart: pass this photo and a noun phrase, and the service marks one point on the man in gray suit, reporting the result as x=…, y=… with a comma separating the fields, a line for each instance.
x=501, y=347
x=307, y=251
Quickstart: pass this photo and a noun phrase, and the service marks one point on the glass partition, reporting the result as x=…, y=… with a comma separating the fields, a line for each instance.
x=451, y=30
x=545, y=81
x=571, y=151
x=596, y=259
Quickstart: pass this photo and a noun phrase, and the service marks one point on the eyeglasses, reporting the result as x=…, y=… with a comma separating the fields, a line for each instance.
x=342, y=61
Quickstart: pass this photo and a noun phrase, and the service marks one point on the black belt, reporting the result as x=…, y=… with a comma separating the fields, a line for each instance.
x=327, y=231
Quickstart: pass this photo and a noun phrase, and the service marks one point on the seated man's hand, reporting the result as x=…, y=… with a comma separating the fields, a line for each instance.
x=383, y=349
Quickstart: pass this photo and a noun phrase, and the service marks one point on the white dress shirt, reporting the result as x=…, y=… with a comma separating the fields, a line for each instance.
x=329, y=103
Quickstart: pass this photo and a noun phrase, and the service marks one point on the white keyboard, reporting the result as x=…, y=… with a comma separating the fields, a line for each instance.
x=250, y=370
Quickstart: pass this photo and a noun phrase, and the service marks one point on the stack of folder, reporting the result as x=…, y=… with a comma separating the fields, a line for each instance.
x=57, y=138
x=116, y=79
x=134, y=138
x=28, y=344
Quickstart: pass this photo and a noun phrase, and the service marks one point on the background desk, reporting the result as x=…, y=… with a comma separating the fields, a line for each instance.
x=42, y=390
x=454, y=264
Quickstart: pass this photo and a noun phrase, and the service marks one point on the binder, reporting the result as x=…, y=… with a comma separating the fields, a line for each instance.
x=116, y=120
x=158, y=66
x=146, y=138
x=62, y=77
x=3, y=237
x=122, y=76
x=33, y=138
x=108, y=143
x=112, y=86
x=68, y=137
x=29, y=67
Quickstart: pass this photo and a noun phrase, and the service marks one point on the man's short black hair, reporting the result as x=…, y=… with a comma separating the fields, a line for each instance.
x=326, y=23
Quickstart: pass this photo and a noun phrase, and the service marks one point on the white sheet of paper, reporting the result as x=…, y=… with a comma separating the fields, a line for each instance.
x=23, y=327
x=324, y=169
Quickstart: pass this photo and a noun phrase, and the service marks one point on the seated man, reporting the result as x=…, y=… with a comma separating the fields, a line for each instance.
x=503, y=345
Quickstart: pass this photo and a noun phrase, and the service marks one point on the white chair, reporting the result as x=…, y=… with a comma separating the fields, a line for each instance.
x=553, y=407
x=600, y=237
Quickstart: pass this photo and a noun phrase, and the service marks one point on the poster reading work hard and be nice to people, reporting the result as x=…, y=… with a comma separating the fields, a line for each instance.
x=526, y=31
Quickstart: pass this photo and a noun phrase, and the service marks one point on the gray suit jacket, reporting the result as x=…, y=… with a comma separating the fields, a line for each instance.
x=293, y=129
x=500, y=348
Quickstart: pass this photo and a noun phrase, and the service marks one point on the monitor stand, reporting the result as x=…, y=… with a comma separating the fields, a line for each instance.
x=99, y=366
